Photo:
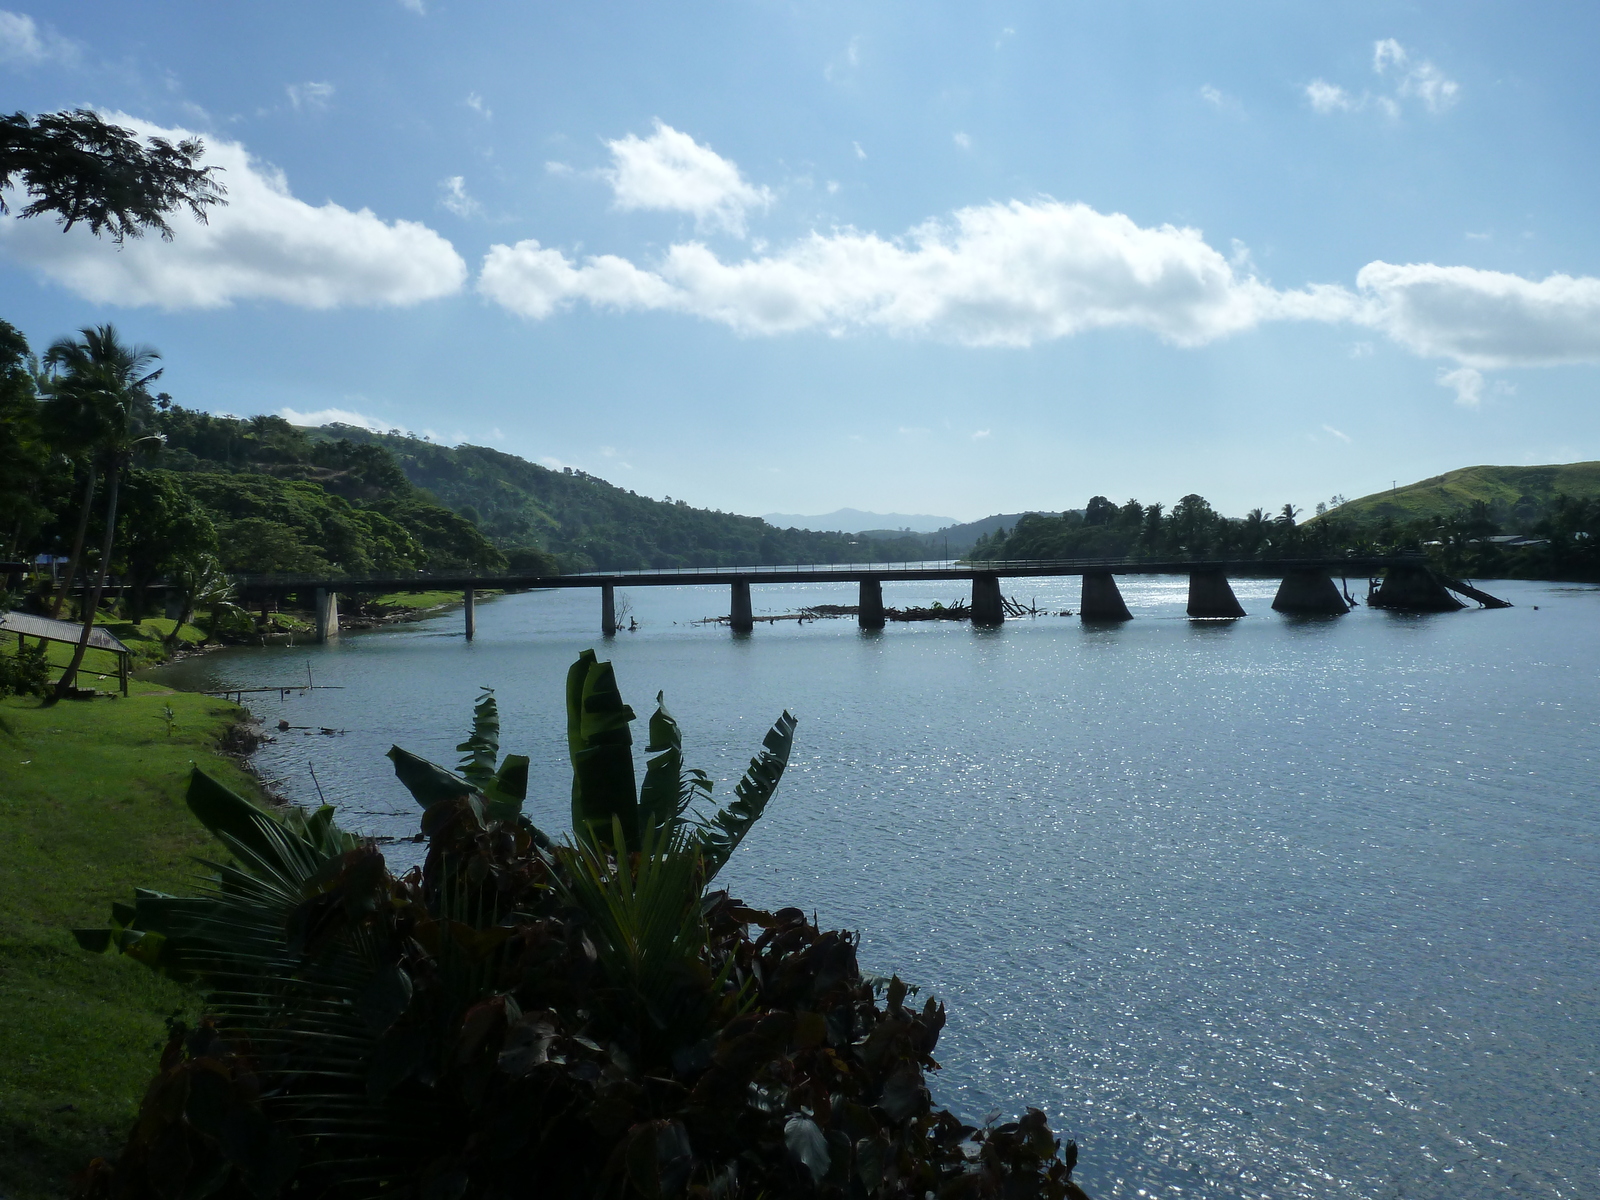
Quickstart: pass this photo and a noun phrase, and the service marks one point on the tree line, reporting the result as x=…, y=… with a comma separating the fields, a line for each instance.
x=1560, y=540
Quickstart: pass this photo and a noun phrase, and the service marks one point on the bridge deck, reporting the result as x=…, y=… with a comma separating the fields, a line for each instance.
x=258, y=585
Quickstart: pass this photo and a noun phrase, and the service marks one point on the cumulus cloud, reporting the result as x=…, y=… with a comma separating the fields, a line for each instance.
x=478, y=105
x=312, y=97
x=265, y=245
x=335, y=416
x=1468, y=385
x=23, y=43
x=671, y=172
x=993, y=275
x=961, y=140
x=1483, y=319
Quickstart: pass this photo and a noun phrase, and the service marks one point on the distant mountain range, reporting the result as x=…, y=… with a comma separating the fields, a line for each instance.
x=853, y=520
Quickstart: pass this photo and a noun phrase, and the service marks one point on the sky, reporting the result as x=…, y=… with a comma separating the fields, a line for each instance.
x=919, y=257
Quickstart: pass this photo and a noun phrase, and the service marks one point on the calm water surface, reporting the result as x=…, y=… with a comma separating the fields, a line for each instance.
x=1266, y=908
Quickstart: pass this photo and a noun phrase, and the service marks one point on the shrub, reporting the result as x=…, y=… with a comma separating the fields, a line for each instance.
x=518, y=1016
x=24, y=673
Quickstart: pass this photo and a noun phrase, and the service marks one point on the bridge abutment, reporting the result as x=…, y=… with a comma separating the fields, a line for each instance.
x=869, y=609
x=469, y=602
x=1101, y=600
x=1309, y=591
x=987, y=607
x=1210, y=595
x=327, y=614
x=1413, y=589
x=740, y=615
x=608, y=610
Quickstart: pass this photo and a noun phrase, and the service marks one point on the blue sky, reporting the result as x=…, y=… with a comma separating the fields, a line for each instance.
x=954, y=258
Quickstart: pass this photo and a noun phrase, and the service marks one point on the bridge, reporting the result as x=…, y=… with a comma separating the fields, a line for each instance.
x=1307, y=586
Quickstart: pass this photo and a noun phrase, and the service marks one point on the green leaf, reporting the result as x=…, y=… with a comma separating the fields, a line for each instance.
x=503, y=795
x=720, y=836
x=601, y=748
x=482, y=746
x=807, y=1146
x=427, y=782
x=232, y=817
x=668, y=789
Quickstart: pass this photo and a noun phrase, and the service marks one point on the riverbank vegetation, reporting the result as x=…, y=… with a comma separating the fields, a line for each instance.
x=1551, y=536
x=593, y=1013
x=93, y=807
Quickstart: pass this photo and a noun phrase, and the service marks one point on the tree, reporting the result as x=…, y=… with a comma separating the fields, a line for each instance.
x=100, y=385
x=25, y=458
x=161, y=527
x=87, y=172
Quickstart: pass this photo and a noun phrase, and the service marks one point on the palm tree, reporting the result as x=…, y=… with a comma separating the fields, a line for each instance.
x=98, y=386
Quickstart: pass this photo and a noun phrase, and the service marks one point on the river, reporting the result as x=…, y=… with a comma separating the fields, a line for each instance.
x=1266, y=908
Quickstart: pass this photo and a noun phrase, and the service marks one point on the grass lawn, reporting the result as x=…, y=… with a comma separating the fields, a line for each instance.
x=422, y=599
x=91, y=804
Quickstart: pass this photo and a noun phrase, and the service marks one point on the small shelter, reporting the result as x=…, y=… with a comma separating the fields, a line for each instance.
x=26, y=625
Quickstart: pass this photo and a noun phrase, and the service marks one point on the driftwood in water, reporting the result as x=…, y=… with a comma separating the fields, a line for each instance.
x=956, y=610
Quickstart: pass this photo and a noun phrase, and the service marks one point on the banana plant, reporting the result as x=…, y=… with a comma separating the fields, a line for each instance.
x=601, y=748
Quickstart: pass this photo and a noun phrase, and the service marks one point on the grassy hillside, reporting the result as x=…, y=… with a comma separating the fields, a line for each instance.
x=1515, y=495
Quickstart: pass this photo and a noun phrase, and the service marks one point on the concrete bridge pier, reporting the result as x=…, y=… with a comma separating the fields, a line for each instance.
x=608, y=609
x=470, y=604
x=326, y=610
x=1210, y=595
x=1101, y=601
x=742, y=619
x=869, y=611
x=987, y=608
x=1413, y=589
x=1308, y=590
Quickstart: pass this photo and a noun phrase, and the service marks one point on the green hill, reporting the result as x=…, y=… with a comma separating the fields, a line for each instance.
x=1515, y=495
x=589, y=523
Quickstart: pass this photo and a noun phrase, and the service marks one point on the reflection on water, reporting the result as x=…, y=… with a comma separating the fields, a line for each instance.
x=1276, y=907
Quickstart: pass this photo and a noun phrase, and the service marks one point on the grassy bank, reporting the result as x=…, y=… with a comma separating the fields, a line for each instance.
x=90, y=805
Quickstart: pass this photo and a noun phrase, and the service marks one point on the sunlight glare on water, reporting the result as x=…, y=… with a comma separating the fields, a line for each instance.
x=1268, y=908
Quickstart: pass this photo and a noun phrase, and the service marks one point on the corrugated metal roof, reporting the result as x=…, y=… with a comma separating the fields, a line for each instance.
x=61, y=631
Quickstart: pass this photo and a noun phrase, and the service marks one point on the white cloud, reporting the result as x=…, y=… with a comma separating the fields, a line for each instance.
x=477, y=104
x=456, y=199
x=22, y=42
x=414, y=6
x=1387, y=53
x=1343, y=437
x=669, y=171
x=265, y=245
x=845, y=63
x=1419, y=80
x=979, y=434
x=335, y=416
x=962, y=140
x=860, y=153
x=1481, y=318
x=310, y=97
x=1211, y=96
x=993, y=275
x=1428, y=84
x=1468, y=385
x=1022, y=272
x=1326, y=97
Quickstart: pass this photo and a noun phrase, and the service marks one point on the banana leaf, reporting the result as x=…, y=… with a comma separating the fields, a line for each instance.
x=601, y=749
x=721, y=835
x=668, y=789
